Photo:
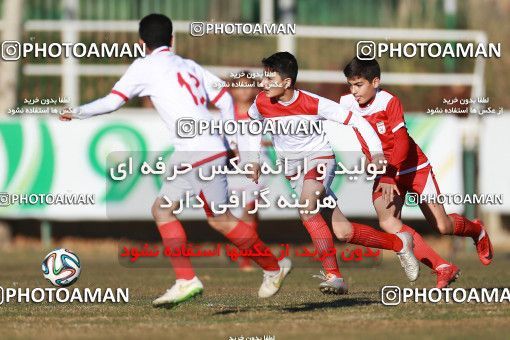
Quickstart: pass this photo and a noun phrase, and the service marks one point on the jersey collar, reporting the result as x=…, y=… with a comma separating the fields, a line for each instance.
x=161, y=49
x=292, y=100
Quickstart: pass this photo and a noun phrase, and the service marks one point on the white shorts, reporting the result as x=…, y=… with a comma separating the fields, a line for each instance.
x=297, y=166
x=241, y=183
x=211, y=192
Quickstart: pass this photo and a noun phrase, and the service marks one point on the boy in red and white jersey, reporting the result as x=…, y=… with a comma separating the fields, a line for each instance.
x=180, y=88
x=408, y=170
x=281, y=101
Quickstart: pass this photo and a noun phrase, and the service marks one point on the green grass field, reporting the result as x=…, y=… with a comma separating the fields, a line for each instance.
x=230, y=308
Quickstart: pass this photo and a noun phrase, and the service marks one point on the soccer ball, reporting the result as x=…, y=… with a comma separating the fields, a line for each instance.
x=61, y=267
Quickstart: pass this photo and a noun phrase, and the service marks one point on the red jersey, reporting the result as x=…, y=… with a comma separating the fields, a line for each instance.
x=385, y=114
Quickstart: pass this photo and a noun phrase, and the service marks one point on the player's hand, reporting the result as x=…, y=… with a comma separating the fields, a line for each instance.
x=388, y=191
x=254, y=176
x=379, y=160
x=66, y=115
x=233, y=153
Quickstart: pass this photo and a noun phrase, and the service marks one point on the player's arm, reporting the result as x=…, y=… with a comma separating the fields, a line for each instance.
x=218, y=96
x=401, y=140
x=330, y=110
x=250, y=145
x=107, y=104
x=127, y=87
x=387, y=184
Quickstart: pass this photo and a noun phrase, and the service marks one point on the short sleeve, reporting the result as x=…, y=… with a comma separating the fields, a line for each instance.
x=395, y=113
x=132, y=83
x=254, y=113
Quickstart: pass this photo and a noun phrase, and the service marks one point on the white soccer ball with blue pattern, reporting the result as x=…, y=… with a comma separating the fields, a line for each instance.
x=61, y=267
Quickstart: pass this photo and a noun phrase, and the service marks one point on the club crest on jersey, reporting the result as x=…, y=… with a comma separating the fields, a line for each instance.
x=380, y=127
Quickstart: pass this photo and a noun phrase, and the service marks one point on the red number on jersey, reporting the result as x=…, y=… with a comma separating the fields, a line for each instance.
x=186, y=84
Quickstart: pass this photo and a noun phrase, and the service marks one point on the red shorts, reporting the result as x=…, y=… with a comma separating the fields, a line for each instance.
x=422, y=182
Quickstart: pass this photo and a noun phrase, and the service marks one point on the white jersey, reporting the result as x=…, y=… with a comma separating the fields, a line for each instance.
x=179, y=88
x=307, y=106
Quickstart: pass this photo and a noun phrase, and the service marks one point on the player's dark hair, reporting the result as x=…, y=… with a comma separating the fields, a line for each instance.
x=284, y=63
x=368, y=69
x=156, y=30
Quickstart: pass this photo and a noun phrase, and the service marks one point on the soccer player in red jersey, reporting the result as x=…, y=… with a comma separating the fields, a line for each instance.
x=281, y=102
x=408, y=170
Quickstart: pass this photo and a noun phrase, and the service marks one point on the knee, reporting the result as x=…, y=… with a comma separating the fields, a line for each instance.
x=156, y=211
x=309, y=203
x=223, y=223
x=161, y=214
x=213, y=224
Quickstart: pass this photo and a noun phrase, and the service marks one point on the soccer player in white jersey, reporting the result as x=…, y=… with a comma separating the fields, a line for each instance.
x=180, y=88
x=281, y=101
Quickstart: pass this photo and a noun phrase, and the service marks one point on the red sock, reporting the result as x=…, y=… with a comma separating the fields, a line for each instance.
x=253, y=224
x=323, y=242
x=369, y=237
x=464, y=227
x=423, y=251
x=246, y=261
x=245, y=237
x=173, y=236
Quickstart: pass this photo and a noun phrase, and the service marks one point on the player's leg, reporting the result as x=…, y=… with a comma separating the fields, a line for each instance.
x=242, y=235
x=322, y=238
x=240, y=185
x=245, y=263
x=311, y=187
x=360, y=234
x=250, y=218
x=390, y=221
x=187, y=284
x=453, y=224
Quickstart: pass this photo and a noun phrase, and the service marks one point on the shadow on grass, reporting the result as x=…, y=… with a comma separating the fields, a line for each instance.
x=303, y=307
x=339, y=303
